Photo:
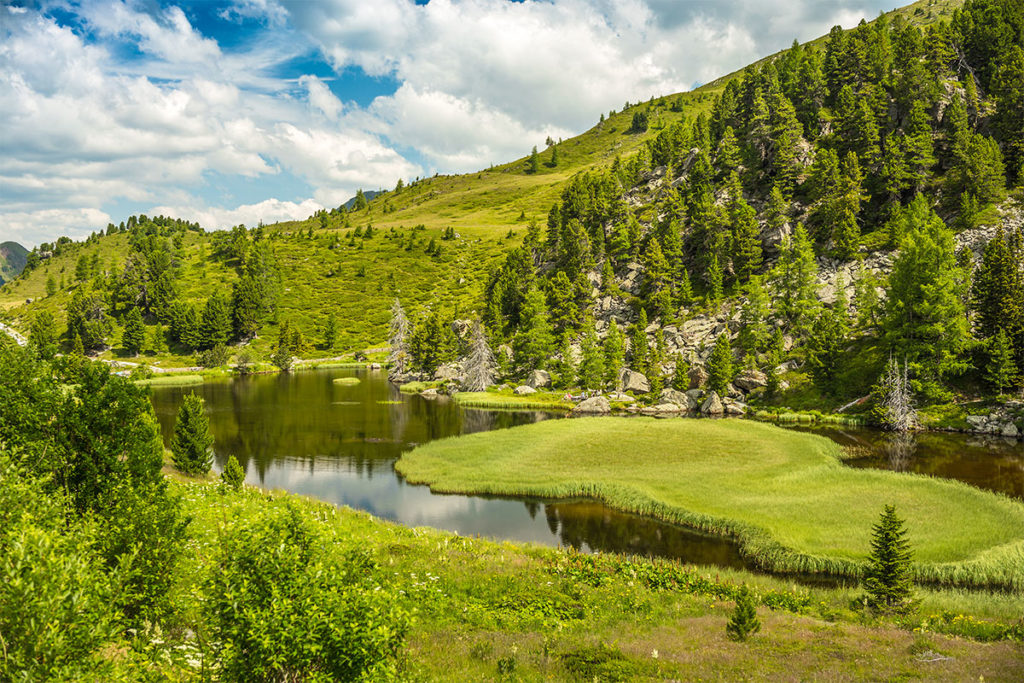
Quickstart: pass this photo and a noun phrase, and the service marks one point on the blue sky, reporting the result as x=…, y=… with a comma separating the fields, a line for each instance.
x=235, y=111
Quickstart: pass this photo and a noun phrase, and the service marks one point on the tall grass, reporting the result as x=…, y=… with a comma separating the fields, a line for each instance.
x=496, y=401
x=171, y=381
x=785, y=497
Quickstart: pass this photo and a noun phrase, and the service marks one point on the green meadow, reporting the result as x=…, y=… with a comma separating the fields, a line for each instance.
x=785, y=496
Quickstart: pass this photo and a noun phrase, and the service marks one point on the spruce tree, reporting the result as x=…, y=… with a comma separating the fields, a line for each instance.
x=233, y=475
x=533, y=165
x=535, y=340
x=330, y=332
x=720, y=366
x=215, y=324
x=191, y=444
x=744, y=621
x=1001, y=370
x=715, y=282
x=614, y=354
x=134, y=334
x=754, y=331
x=826, y=347
x=887, y=578
x=639, y=348
x=795, y=278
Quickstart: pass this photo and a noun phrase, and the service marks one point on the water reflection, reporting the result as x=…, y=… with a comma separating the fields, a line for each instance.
x=993, y=463
x=306, y=434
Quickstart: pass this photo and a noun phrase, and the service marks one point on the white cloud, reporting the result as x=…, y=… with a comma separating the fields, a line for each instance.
x=46, y=225
x=321, y=97
x=214, y=218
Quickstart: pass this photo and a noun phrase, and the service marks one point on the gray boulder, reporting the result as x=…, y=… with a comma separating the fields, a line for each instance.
x=698, y=376
x=597, y=405
x=751, y=379
x=634, y=381
x=524, y=390
x=429, y=393
x=539, y=379
x=713, y=405
x=620, y=397
x=450, y=372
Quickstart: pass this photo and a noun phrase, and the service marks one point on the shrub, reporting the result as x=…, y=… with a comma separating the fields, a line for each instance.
x=281, y=607
x=215, y=357
x=233, y=475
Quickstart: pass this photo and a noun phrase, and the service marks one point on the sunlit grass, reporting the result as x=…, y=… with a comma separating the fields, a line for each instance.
x=785, y=496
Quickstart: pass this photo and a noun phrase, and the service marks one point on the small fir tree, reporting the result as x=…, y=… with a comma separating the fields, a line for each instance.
x=534, y=164
x=720, y=368
x=744, y=622
x=233, y=475
x=330, y=332
x=887, y=579
x=191, y=444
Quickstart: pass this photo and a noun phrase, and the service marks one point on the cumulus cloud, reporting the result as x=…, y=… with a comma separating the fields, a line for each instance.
x=44, y=225
x=479, y=82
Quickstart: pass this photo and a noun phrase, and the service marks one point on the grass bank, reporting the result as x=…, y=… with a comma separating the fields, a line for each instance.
x=785, y=496
x=495, y=400
x=499, y=611
x=171, y=381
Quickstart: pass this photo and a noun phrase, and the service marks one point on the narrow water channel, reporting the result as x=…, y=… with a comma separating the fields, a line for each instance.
x=304, y=433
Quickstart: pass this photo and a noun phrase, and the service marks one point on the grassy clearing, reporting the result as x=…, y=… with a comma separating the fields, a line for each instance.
x=484, y=608
x=783, y=495
x=171, y=381
x=508, y=401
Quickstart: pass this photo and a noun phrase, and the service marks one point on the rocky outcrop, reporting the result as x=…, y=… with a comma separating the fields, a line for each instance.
x=450, y=372
x=749, y=380
x=524, y=390
x=597, y=405
x=1002, y=421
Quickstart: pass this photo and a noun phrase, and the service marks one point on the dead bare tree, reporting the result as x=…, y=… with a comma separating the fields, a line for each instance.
x=898, y=413
x=480, y=364
x=398, y=335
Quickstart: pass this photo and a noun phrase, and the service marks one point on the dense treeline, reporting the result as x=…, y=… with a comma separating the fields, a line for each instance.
x=889, y=136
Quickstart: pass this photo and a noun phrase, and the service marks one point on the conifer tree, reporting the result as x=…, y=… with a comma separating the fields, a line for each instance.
x=825, y=349
x=715, y=282
x=191, y=444
x=535, y=341
x=233, y=475
x=564, y=366
x=640, y=354
x=887, y=579
x=534, y=163
x=796, y=281
x=215, y=324
x=134, y=334
x=754, y=333
x=924, y=311
x=158, y=340
x=744, y=622
x=614, y=354
x=1001, y=370
x=747, y=253
x=330, y=332
x=720, y=365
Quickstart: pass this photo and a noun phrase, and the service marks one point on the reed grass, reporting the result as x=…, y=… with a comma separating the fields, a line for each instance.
x=784, y=496
x=171, y=381
x=499, y=401
x=347, y=381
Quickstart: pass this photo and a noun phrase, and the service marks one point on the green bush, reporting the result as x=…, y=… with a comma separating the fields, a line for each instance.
x=281, y=608
x=233, y=475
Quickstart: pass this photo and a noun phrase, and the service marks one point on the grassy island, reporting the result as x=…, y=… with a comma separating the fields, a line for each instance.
x=785, y=496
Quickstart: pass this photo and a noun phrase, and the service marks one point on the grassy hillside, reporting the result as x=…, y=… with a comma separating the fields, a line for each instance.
x=322, y=274
x=12, y=260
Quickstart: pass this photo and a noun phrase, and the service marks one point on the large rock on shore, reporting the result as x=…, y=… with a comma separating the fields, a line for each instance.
x=634, y=381
x=524, y=390
x=597, y=405
x=713, y=405
x=539, y=379
x=751, y=379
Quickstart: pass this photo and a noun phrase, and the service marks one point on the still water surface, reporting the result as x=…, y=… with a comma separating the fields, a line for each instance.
x=304, y=433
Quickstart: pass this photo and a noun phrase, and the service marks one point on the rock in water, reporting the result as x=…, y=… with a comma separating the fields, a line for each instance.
x=712, y=405
x=598, y=405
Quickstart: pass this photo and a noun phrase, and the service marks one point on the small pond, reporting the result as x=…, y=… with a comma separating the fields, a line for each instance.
x=303, y=432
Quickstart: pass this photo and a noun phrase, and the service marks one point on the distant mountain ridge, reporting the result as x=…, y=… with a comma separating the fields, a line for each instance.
x=12, y=260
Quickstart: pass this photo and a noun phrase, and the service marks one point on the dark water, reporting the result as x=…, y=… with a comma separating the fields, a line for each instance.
x=992, y=463
x=306, y=434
